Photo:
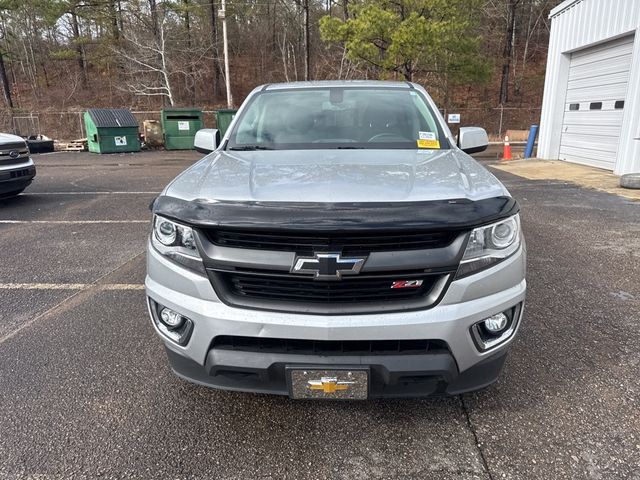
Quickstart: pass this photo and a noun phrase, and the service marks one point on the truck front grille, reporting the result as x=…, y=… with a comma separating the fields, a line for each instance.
x=5, y=148
x=305, y=244
x=358, y=294
x=257, y=269
x=20, y=153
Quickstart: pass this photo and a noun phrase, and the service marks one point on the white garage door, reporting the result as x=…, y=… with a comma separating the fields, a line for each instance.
x=598, y=78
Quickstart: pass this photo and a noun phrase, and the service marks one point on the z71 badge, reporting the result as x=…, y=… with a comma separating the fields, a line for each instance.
x=407, y=284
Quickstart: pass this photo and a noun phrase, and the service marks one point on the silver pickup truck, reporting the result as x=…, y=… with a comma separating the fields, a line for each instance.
x=16, y=166
x=337, y=243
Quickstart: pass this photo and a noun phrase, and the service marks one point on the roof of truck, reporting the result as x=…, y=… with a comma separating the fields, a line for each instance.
x=336, y=83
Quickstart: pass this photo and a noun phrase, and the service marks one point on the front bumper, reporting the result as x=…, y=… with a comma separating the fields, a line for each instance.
x=462, y=368
x=16, y=178
x=391, y=376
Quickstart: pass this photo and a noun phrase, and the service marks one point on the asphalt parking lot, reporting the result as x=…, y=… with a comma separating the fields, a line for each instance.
x=86, y=392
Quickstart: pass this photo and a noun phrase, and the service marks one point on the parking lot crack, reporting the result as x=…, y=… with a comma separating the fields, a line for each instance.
x=472, y=428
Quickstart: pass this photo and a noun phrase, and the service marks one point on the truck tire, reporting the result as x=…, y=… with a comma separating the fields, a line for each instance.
x=630, y=180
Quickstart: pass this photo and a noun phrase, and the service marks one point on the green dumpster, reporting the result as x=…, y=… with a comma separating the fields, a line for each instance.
x=179, y=126
x=223, y=119
x=111, y=130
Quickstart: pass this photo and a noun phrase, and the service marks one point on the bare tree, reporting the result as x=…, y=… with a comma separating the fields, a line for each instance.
x=538, y=9
x=145, y=60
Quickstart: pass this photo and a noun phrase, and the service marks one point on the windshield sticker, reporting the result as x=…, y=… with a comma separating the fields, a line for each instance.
x=427, y=140
x=428, y=144
x=426, y=136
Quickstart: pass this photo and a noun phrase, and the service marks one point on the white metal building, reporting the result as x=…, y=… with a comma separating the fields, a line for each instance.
x=591, y=106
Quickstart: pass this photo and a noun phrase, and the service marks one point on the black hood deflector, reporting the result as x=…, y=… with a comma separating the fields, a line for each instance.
x=337, y=217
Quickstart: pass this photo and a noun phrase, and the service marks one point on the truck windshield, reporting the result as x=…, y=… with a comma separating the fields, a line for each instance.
x=336, y=117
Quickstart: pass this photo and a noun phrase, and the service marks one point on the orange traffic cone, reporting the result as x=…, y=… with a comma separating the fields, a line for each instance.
x=506, y=154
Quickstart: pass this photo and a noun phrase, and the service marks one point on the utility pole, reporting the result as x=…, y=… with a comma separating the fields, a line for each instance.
x=225, y=47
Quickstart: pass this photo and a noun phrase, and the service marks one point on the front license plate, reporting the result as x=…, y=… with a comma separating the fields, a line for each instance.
x=334, y=384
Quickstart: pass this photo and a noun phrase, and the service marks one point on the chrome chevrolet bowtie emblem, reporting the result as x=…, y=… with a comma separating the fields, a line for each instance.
x=330, y=384
x=328, y=266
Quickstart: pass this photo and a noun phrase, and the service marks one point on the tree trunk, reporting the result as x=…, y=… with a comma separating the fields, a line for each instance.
x=307, y=59
x=191, y=80
x=507, y=52
x=216, y=50
x=33, y=69
x=113, y=18
x=44, y=72
x=407, y=71
x=153, y=8
x=6, y=87
x=82, y=63
x=284, y=51
x=120, y=18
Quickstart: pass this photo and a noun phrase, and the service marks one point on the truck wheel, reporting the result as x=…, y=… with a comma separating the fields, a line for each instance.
x=630, y=180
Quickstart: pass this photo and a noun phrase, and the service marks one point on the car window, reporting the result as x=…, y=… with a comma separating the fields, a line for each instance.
x=334, y=117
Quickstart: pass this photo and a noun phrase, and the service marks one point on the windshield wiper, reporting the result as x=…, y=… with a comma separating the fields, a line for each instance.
x=249, y=148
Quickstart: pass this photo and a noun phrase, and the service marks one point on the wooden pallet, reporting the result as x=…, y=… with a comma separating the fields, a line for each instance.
x=74, y=146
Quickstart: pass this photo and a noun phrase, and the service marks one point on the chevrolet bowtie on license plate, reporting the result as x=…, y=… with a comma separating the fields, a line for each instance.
x=335, y=384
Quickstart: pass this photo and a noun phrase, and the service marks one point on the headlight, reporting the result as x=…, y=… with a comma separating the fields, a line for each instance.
x=489, y=245
x=176, y=242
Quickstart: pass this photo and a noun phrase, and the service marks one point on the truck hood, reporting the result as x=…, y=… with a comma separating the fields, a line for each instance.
x=9, y=138
x=334, y=176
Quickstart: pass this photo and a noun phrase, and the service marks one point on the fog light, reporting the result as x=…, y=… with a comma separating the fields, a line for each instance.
x=170, y=318
x=170, y=323
x=496, y=329
x=497, y=323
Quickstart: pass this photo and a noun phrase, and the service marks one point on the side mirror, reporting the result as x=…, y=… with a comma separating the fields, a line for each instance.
x=472, y=139
x=206, y=140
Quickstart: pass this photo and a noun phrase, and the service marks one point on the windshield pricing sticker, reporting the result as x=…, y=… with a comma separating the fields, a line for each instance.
x=427, y=140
